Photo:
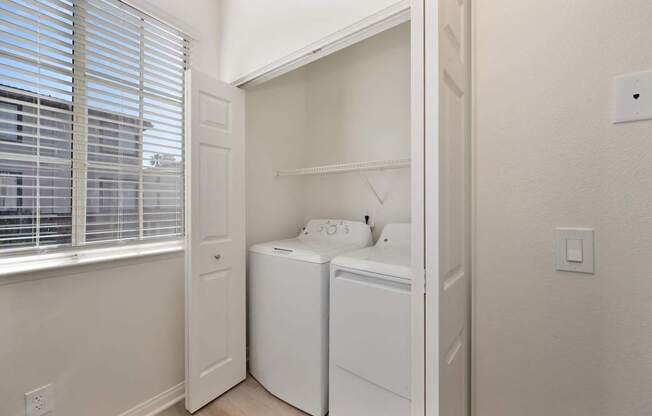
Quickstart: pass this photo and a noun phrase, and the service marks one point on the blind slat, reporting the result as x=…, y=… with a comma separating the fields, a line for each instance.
x=112, y=19
x=91, y=97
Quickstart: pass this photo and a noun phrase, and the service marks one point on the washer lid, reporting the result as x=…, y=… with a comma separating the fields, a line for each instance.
x=304, y=250
x=390, y=256
x=319, y=241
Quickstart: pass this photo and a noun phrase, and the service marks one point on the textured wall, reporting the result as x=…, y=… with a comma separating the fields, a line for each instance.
x=552, y=343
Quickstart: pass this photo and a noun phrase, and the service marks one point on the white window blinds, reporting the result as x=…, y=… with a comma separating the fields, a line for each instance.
x=91, y=124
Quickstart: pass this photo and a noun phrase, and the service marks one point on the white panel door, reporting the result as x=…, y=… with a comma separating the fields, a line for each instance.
x=448, y=209
x=454, y=213
x=215, y=256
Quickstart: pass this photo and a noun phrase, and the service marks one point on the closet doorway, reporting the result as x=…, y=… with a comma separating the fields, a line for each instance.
x=369, y=126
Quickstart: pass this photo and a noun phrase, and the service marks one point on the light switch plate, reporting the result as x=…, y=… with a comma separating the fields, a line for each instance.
x=574, y=251
x=633, y=97
x=585, y=236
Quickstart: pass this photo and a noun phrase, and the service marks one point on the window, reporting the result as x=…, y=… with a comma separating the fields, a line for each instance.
x=91, y=125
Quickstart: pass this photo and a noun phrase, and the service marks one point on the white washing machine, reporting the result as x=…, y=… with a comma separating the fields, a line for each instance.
x=288, y=310
x=370, y=328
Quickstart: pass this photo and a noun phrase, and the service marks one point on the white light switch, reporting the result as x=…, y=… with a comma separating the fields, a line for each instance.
x=633, y=97
x=574, y=251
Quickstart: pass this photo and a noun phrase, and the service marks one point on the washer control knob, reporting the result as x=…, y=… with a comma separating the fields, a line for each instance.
x=332, y=229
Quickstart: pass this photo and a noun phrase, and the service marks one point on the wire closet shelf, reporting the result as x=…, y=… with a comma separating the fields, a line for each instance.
x=347, y=167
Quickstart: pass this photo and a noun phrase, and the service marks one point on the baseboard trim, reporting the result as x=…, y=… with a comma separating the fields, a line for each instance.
x=158, y=403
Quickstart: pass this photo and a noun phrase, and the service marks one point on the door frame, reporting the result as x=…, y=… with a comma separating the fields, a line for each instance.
x=418, y=205
x=403, y=11
x=426, y=14
x=430, y=18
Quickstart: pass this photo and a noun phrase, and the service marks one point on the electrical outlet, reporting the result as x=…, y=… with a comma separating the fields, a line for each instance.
x=39, y=402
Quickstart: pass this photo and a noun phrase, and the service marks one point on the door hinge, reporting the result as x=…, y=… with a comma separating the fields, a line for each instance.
x=425, y=281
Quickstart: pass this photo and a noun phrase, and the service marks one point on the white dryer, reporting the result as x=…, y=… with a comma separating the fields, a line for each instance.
x=370, y=328
x=288, y=310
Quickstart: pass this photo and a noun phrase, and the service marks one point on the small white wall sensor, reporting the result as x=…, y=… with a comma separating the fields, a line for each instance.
x=633, y=97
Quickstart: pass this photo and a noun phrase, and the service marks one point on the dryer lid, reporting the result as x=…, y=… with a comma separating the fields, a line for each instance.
x=390, y=256
x=319, y=241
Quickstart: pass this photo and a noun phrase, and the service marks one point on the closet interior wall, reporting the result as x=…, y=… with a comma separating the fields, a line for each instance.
x=351, y=106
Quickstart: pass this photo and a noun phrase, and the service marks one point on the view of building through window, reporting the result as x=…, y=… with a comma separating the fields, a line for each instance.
x=91, y=124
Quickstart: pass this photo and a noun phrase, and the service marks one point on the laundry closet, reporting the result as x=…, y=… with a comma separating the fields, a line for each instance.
x=336, y=271
x=348, y=111
x=351, y=106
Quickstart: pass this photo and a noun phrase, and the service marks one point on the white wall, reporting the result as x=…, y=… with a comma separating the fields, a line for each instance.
x=351, y=106
x=358, y=103
x=109, y=337
x=257, y=32
x=276, y=128
x=551, y=343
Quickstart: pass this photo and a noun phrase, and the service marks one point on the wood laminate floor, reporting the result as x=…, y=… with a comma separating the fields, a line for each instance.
x=246, y=399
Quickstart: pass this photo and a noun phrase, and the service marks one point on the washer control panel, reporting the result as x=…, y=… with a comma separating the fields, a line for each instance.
x=340, y=230
x=328, y=227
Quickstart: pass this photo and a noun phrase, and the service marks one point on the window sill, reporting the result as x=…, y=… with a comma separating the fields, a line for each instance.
x=52, y=261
